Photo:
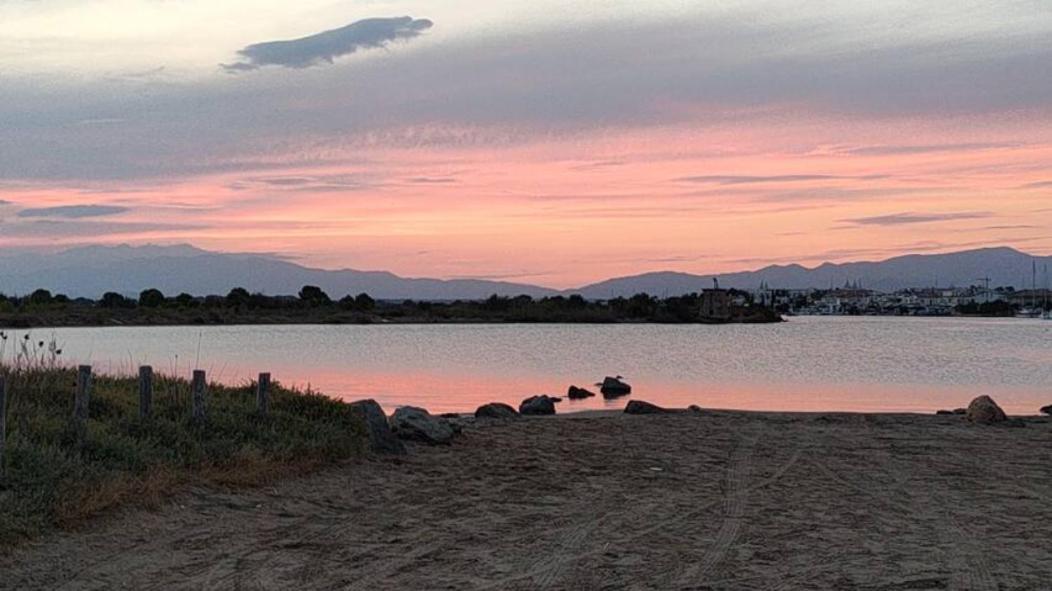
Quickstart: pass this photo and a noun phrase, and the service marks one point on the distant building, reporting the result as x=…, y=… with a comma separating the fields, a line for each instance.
x=716, y=303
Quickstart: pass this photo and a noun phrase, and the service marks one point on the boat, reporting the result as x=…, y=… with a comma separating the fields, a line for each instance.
x=1033, y=310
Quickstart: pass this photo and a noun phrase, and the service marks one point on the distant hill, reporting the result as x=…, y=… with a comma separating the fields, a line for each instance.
x=1004, y=266
x=91, y=271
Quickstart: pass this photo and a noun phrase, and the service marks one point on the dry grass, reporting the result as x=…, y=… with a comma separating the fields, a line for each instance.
x=55, y=480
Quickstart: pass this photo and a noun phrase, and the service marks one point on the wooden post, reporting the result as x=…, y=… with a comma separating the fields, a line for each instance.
x=263, y=394
x=145, y=391
x=3, y=428
x=81, y=400
x=198, y=388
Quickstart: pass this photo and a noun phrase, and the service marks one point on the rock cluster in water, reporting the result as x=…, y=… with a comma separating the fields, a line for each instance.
x=575, y=393
x=614, y=387
x=538, y=405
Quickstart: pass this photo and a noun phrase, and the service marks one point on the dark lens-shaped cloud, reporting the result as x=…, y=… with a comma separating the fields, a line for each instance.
x=898, y=219
x=72, y=211
x=327, y=46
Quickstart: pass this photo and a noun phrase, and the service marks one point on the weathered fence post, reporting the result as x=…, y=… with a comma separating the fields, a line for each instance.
x=198, y=388
x=145, y=391
x=82, y=398
x=3, y=428
x=263, y=394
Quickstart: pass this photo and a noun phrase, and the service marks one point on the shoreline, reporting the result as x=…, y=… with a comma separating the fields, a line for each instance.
x=386, y=322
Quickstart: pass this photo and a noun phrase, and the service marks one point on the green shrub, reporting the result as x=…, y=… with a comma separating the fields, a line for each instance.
x=53, y=479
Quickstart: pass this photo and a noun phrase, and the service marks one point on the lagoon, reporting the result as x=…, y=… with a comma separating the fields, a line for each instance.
x=805, y=364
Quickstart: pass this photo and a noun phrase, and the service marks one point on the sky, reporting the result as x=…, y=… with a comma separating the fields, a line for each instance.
x=540, y=141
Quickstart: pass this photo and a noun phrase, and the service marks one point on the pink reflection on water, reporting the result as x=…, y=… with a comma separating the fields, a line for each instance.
x=450, y=392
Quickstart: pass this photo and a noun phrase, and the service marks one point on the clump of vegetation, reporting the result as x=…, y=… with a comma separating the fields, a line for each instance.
x=52, y=478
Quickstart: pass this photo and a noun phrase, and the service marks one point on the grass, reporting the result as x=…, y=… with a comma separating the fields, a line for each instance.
x=55, y=480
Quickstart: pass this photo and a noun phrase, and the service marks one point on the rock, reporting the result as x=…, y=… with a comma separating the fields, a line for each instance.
x=694, y=408
x=416, y=424
x=496, y=410
x=1046, y=409
x=960, y=411
x=614, y=387
x=450, y=415
x=638, y=407
x=575, y=393
x=538, y=405
x=984, y=410
x=381, y=438
x=944, y=412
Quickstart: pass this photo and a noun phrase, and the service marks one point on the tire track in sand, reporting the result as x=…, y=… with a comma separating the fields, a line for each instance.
x=656, y=526
x=735, y=494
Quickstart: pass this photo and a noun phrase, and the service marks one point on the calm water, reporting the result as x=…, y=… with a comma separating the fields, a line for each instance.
x=879, y=364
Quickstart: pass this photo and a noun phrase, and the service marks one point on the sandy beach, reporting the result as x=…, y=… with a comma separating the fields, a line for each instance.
x=719, y=500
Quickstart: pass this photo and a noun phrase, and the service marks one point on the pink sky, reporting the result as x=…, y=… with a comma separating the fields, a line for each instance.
x=573, y=210
x=556, y=155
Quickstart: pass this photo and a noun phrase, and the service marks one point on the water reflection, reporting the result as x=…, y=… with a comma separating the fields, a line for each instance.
x=807, y=364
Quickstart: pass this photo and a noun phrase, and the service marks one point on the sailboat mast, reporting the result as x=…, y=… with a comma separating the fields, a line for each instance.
x=1033, y=284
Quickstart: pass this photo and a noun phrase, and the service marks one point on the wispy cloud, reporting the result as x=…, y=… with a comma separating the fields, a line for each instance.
x=899, y=219
x=892, y=150
x=778, y=178
x=72, y=211
x=429, y=180
x=325, y=47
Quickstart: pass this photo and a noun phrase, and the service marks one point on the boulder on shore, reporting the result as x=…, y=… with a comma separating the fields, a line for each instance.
x=416, y=424
x=1046, y=409
x=381, y=438
x=496, y=410
x=575, y=393
x=614, y=387
x=984, y=411
x=638, y=407
x=538, y=405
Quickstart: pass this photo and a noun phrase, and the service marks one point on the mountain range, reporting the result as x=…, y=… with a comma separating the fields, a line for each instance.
x=91, y=271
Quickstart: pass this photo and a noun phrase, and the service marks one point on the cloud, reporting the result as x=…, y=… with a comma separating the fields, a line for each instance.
x=899, y=219
x=325, y=47
x=515, y=84
x=72, y=211
x=1038, y=185
x=306, y=184
x=891, y=150
x=784, y=178
x=427, y=180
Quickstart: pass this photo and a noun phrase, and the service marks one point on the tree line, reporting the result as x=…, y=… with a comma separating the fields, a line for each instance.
x=313, y=304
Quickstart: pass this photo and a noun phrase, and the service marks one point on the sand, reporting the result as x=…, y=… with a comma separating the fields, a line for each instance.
x=723, y=500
